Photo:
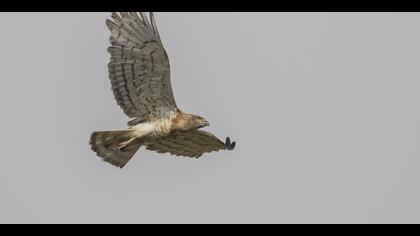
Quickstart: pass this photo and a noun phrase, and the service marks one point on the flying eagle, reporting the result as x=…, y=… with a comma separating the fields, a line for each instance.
x=140, y=76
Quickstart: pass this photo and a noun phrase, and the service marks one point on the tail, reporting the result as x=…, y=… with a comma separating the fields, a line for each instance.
x=114, y=147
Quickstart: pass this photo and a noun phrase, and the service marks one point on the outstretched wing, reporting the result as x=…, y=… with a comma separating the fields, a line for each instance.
x=190, y=144
x=139, y=69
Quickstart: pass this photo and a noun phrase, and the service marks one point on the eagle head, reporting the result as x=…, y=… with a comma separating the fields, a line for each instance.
x=186, y=122
x=200, y=122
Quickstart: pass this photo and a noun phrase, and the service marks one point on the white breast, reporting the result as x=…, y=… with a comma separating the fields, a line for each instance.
x=144, y=129
x=155, y=128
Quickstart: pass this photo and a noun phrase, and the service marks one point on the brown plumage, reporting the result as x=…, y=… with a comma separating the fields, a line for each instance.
x=139, y=71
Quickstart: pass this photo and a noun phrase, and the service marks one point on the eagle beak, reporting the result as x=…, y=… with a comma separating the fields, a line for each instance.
x=206, y=123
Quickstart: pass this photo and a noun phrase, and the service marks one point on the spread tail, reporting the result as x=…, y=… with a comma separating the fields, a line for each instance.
x=115, y=147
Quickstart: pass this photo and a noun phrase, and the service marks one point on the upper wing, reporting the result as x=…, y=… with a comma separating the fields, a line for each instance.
x=189, y=144
x=139, y=69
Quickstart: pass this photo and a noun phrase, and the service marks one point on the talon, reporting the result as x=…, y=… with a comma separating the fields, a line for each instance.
x=124, y=145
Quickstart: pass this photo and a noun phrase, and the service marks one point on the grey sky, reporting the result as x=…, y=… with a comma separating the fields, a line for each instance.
x=324, y=107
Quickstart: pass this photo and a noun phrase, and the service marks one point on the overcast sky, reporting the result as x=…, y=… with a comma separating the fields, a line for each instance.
x=324, y=108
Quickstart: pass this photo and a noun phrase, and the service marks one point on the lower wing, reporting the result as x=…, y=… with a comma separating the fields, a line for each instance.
x=190, y=144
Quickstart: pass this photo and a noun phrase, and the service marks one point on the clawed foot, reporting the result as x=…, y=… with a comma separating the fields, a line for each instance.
x=125, y=144
x=228, y=145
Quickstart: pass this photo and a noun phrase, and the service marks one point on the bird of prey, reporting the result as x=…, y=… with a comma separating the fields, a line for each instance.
x=139, y=71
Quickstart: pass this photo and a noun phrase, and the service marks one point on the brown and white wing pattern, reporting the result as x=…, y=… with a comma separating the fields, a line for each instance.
x=139, y=69
x=189, y=144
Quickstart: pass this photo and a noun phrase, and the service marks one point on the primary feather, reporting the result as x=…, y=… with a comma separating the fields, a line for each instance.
x=139, y=69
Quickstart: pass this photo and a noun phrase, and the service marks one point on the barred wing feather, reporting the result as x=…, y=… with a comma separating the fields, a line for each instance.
x=139, y=69
x=193, y=144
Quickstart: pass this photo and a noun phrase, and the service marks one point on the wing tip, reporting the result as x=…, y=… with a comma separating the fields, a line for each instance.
x=229, y=145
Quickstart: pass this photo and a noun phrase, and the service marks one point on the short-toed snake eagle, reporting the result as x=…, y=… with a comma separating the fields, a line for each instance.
x=140, y=76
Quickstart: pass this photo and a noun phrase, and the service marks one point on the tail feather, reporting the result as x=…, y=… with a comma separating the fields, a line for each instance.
x=107, y=146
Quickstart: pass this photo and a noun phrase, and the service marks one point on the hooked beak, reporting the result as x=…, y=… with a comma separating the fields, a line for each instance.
x=206, y=123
